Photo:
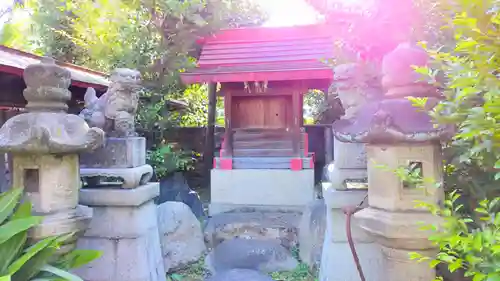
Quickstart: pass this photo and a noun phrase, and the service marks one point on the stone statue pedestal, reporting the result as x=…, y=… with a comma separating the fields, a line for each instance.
x=337, y=263
x=123, y=158
x=125, y=229
x=349, y=164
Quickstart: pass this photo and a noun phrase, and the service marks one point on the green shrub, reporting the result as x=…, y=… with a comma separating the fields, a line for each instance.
x=20, y=261
x=469, y=237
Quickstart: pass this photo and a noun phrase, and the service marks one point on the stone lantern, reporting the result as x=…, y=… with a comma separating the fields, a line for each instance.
x=44, y=143
x=397, y=134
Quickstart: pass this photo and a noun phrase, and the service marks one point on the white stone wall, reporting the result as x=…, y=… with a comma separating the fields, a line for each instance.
x=277, y=188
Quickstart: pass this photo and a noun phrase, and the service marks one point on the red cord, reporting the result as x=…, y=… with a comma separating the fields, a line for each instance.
x=349, y=212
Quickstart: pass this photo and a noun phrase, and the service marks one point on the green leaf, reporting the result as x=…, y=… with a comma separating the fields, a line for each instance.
x=493, y=277
x=479, y=277
x=11, y=249
x=61, y=273
x=80, y=257
x=177, y=277
x=23, y=211
x=14, y=227
x=30, y=253
x=434, y=263
x=5, y=278
x=32, y=267
x=455, y=265
x=8, y=201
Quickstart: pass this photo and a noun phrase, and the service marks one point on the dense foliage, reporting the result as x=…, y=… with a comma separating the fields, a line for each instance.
x=157, y=37
x=21, y=261
x=468, y=239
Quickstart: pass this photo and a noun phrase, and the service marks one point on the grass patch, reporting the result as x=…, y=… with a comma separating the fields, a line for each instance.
x=193, y=272
x=197, y=272
x=301, y=273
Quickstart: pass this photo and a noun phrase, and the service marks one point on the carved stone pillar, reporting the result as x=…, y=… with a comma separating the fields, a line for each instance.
x=399, y=135
x=44, y=144
x=355, y=84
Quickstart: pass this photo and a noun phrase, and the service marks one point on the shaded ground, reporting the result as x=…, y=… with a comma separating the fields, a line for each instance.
x=197, y=272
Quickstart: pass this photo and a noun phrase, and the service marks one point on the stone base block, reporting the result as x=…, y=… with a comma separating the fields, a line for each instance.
x=340, y=177
x=337, y=263
x=261, y=187
x=125, y=229
x=398, y=265
x=65, y=222
x=117, y=153
x=131, y=177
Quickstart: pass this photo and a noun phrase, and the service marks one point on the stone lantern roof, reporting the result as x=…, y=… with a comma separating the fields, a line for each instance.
x=47, y=128
x=393, y=118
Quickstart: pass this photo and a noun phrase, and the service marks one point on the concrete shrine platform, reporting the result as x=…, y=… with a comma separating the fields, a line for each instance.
x=261, y=189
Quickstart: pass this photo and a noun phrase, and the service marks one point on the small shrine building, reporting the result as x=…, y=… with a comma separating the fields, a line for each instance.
x=263, y=75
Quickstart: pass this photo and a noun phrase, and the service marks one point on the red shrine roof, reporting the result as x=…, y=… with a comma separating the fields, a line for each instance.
x=14, y=61
x=264, y=54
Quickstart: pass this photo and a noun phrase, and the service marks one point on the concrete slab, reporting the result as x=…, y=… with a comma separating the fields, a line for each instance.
x=264, y=187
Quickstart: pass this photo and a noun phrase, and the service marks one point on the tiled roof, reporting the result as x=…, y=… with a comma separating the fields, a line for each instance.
x=264, y=54
x=14, y=61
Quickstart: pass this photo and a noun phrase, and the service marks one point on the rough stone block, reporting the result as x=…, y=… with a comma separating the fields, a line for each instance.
x=312, y=233
x=277, y=226
x=116, y=153
x=265, y=256
x=180, y=235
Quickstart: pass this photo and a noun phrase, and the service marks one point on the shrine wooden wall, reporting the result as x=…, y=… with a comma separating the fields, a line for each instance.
x=270, y=112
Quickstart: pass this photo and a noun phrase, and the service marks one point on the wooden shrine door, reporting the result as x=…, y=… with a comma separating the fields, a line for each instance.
x=271, y=112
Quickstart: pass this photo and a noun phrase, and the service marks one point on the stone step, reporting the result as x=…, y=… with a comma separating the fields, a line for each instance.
x=282, y=226
x=265, y=144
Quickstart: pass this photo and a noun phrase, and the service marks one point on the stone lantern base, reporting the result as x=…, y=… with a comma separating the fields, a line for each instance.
x=125, y=229
x=399, y=234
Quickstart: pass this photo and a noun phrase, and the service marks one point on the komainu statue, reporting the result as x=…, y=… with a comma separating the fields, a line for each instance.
x=115, y=110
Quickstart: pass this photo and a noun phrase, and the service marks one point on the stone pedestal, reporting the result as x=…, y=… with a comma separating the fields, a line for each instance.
x=125, y=229
x=123, y=158
x=337, y=262
x=349, y=164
